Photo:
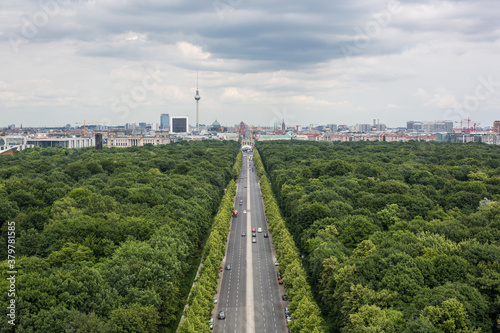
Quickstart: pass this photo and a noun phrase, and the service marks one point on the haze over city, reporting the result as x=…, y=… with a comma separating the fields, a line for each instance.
x=305, y=62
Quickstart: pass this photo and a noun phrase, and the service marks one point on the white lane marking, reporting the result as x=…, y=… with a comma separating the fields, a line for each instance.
x=250, y=322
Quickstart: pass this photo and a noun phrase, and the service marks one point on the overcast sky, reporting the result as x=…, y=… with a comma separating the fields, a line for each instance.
x=124, y=61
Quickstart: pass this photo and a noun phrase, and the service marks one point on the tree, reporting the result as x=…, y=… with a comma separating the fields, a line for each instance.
x=450, y=317
x=372, y=319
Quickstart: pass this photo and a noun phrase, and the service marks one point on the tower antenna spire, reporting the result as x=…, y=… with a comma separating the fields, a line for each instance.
x=197, y=98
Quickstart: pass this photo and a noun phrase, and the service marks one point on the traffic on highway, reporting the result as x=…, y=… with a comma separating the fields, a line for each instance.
x=250, y=296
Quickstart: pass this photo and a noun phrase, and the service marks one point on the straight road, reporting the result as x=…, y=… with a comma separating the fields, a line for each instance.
x=249, y=290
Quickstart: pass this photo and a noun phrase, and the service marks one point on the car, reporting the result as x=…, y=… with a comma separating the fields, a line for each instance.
x=245, y=186
x=228, y=267
x=222, y=315
x=211, y=321
x=254, y=240
x=244, y=212
x=215, y=300
x=253, y=229
x=243, y=234
x=266, y=235
x=279, y=275
x=283, y=297
x=280, y=281
x=287, y=311
x=254, y=234
x=259, y=229
x=221, y=269
x=276, y=263
x=288, y=318
x=241, y=203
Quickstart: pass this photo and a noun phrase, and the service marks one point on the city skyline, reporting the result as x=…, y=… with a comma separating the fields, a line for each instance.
x=259, y=63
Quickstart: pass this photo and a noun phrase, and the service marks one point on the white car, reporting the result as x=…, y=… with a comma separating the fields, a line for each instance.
x=254, y=240
x=259, y=229
x=245, y=211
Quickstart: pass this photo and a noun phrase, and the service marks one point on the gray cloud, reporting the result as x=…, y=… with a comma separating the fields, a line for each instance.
x=270, y=53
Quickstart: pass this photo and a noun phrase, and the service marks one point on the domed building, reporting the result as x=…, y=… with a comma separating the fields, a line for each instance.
x=216, y=127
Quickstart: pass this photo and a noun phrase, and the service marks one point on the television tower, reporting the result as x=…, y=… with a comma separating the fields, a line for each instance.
x=197, y=98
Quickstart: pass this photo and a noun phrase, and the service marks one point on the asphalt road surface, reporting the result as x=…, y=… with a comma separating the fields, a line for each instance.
x=249, y=293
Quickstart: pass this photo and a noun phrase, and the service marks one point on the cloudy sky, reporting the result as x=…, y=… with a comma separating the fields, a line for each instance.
x=124, y=61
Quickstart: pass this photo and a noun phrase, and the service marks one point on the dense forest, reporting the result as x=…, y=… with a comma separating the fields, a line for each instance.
x=396, y=237
x=108, y=241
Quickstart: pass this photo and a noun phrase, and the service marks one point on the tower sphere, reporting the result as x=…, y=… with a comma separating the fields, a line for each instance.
x=197, y=96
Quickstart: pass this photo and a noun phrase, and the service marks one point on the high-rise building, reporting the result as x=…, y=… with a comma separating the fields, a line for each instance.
x=331, y=127
x=496, y=126
x=164, y=121
x=98, y=141
x=179, y=125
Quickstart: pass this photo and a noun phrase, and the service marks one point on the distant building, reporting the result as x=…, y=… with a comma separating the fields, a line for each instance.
x=216, y=127
x=228, y=136
x=331, y=127
x=458, y=137
x=491, y=139
x=130, y=126
x=164, y=121
x=287, y=136
x=445, y=126
x=179, y=125
x=12, y=143
x=362, y=128
x=61, y=142
x=123, y=139
x=98, y=141
x=496, y=126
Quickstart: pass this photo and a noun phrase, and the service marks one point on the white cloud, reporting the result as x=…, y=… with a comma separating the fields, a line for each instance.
x=192, y=51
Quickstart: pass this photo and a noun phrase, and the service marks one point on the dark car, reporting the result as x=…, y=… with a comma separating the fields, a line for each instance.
x=266, y=235
x=279, y=275
x=228, y=267
x=222, y=315
x=254, y=234
x=243, y=234
x=283, y=297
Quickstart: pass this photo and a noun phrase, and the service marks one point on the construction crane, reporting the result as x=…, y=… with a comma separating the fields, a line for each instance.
x=475, y=124
x=462, y=123
x=89, y=123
